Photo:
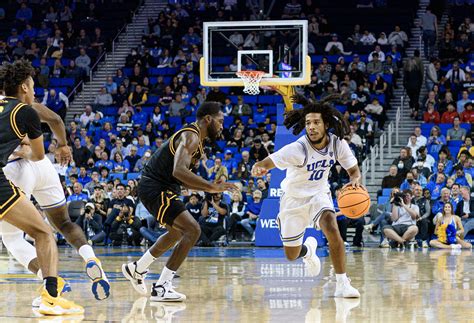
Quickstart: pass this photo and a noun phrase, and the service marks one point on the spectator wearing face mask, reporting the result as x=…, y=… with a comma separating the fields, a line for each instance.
x=404, y=162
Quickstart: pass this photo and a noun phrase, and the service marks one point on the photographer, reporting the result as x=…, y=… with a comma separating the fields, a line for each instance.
x=404, y=216
x=91, y=223
x=125, y=228
x=214, y=211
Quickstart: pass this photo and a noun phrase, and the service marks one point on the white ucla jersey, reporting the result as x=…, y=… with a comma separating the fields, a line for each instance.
x=307, y=169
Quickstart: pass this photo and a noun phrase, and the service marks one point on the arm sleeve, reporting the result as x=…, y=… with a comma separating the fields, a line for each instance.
x=294, y=154
x=345, y=157
x=28, y=122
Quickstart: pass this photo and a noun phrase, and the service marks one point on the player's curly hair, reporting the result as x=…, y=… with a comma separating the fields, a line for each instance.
x=332, y=118
x=12, y=75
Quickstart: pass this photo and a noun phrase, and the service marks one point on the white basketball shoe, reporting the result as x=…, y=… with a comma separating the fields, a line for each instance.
x=311, y=260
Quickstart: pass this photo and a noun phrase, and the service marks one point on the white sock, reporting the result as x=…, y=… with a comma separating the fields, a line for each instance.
x=340, y=278
x=145, y=261
x=166, y=275
x=86, y=252
x=39, y=274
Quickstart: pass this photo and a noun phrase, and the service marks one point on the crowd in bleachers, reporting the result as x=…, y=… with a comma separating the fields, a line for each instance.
x=435, y=169
x=62, y=39
x=158, y=90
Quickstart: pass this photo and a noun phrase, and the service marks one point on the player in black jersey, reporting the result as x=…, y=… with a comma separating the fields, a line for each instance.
x=159, y=190
x=18, y=120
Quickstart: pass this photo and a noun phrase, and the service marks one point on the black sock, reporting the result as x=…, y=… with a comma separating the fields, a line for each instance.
x=303, y=252
x=51, y=284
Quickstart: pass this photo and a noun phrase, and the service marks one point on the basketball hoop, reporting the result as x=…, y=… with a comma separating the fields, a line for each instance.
x=251, y=81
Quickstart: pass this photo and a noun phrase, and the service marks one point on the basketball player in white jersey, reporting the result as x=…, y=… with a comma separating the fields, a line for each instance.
x=41, y=180
x=306, y=198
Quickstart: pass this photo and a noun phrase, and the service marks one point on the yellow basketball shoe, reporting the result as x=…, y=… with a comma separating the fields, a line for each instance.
x=63, y=287
x=57, y=305
x=100, y=283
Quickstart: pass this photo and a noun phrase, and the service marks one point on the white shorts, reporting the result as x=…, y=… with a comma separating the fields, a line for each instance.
x=296, y=214
x=39, y=179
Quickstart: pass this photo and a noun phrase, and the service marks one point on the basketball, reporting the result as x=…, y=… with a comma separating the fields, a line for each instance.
x=354, y=202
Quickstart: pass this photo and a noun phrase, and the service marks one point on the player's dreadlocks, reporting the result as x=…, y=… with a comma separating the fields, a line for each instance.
x=12, y=75
x=332, y=118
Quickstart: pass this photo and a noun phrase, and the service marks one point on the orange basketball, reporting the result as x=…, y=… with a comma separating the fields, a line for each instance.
x=354, y=202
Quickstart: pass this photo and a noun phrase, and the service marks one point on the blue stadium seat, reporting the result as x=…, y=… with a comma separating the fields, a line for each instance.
x=233, y=99
x=111, y=111
x=171, y=71
x=148, y=110
x=133, y=176
x=221, y=144
x=238, y=157
x=153, y=71
x=250, y=99
x=272, y=110
x=175, y=122
x=426, y=128
x=228, y=121
x=454, y=151
x=65, y=62
x=444, y=127
x=386, y=191
x=341, y=108
x=61, y=82
x=189, y=119
x=245, y=120
x=127, y=71
x=455, y=143
x=265, y=99
x=380, y=97
x=153, y=99
x=382, y=200
x=466, y=126
x=39, y=91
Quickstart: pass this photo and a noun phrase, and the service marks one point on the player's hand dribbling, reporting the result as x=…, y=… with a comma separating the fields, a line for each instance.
x=354, y=184
x=258, y=171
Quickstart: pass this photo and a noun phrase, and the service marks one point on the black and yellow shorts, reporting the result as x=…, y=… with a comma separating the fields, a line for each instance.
x=9, y=195
x=165, y=205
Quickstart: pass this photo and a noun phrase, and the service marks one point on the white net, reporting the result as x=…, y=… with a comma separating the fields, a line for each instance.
x=251, y=81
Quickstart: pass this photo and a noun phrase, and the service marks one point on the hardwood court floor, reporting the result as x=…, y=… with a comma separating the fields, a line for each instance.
x=259, y=285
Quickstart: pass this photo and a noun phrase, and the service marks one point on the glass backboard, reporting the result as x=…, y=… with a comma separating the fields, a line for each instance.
x=277, y=47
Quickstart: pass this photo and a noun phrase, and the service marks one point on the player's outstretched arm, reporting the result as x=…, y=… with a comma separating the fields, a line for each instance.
x=262, y=167
x=188, y=143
